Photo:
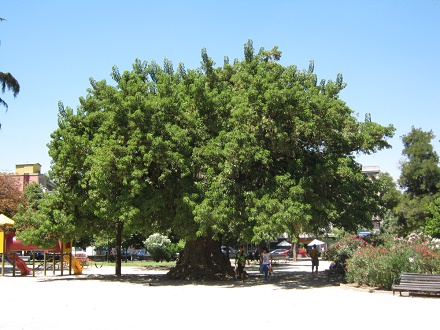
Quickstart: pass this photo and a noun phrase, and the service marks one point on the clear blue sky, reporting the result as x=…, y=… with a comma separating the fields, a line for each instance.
x=387, y=51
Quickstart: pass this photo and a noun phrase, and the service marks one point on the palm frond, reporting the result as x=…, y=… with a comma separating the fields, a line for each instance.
x=8, y=81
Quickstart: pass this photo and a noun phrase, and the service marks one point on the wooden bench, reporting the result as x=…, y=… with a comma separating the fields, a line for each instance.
x=420, y=283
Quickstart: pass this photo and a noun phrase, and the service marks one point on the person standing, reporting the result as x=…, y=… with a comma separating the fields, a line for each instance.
x=314, y=254
x=240, y=262
x=265, y=262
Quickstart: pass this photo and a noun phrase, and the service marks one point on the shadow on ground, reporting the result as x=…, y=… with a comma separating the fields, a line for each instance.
x=281, y=279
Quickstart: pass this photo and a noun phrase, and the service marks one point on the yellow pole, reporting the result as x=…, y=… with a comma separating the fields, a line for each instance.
x=3, y=248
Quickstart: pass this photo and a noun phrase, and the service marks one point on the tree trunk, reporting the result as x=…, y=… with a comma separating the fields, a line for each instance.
x=118, y=264
x=202, y=259
x=295, y=250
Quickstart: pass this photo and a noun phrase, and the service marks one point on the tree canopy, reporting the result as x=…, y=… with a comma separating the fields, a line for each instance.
x=247, y=150
x=420, y=179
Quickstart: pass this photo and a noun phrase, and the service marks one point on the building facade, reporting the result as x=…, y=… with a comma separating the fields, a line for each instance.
x=28, y=173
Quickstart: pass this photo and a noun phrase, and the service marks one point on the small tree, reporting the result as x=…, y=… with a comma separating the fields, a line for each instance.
x=10, y=195
x=159, y=247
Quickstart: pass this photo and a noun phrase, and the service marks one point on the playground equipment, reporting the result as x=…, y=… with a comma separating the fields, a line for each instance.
x=76, y=265
x=20, y=263
x=9, y=246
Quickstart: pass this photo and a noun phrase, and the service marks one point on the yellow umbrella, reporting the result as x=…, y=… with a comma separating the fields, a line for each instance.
x=5, y=221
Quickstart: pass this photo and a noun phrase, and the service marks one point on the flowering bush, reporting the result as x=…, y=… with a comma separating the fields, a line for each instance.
x=379, y=265
x=159, y=247
x=344, y=248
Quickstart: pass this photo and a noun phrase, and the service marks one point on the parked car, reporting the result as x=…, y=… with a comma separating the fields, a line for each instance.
x=50, y=256
x=125, y=255
x=80, y=255
x=280, y=251
x=232, y=252
x=38, y=255
x=280, y=254
x=140, y=254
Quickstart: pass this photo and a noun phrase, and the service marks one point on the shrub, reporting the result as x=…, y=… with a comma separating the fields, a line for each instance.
x=159, y=247
x=345, y=248
x=379, y=265
x=376, y=266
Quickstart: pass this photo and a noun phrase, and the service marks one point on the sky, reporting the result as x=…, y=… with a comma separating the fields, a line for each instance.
x=387, y=51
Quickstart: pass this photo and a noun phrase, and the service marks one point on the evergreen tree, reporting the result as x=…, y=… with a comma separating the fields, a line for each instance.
x=420, y=179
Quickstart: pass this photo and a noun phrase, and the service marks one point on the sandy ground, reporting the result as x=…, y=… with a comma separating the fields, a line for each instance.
x=142, y=299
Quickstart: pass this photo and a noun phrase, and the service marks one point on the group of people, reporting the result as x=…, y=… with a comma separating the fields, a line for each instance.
x=265, y=262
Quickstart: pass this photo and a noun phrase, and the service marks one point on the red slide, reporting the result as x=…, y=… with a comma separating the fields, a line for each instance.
x=21, y=264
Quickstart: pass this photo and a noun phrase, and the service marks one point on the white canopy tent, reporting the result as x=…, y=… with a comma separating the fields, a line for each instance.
x=316, y=242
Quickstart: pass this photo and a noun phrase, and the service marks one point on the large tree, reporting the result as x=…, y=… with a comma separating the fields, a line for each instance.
x=244, y=151
x=420, y=179
x=7, y=81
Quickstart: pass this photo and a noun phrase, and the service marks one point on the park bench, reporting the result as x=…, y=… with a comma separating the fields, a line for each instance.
x=420, y=283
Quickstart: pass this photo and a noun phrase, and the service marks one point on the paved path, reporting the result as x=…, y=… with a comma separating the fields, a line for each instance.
x=293, y=299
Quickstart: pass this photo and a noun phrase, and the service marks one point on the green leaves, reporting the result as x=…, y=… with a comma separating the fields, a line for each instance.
x=420, y=179
x=248, y=150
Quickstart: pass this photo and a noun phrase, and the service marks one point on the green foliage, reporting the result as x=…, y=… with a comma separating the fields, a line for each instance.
x=176, y=249
x=33, y=193
x=390, y=196
x=159, y=247
x=420, y=172
x=433, y=221
x=240, y=151
x=420, y=179
x=44, y=223
x=378, y=264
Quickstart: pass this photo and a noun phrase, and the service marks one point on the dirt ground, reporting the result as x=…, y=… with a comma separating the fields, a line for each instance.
x=142, y=298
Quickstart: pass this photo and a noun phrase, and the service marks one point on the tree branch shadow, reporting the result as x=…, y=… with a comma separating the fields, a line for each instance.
x=285, y=280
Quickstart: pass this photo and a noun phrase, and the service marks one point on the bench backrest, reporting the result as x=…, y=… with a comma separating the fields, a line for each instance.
x=412, y=277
